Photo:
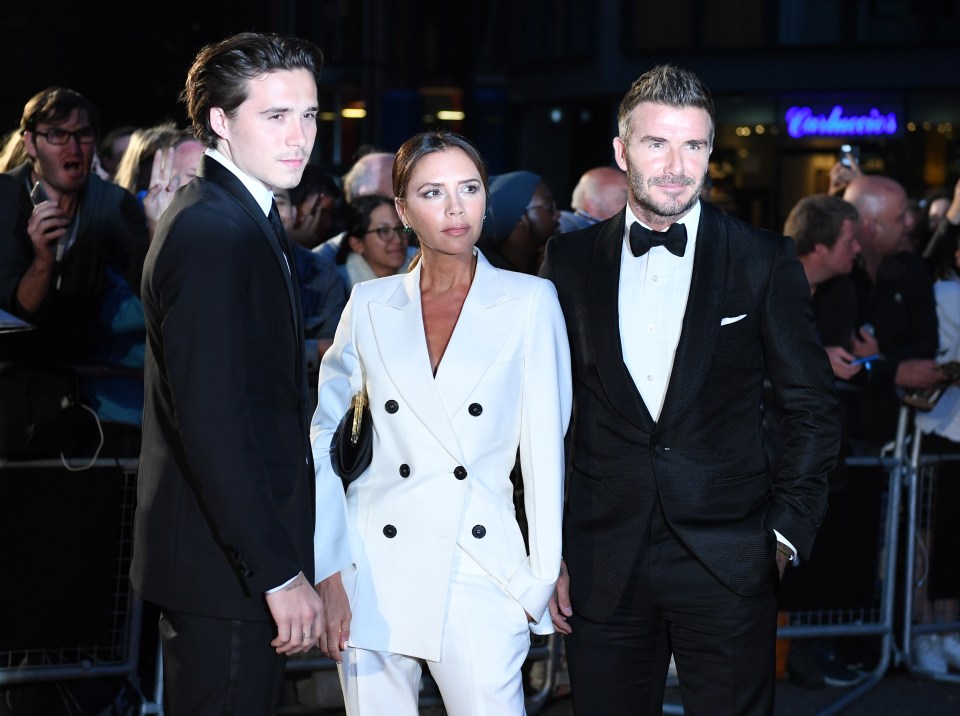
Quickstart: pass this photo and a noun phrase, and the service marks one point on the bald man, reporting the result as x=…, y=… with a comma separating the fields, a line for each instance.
x=895, y=296
x=600, y=193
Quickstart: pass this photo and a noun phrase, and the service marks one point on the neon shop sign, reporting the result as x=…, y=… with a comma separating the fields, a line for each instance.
x=804, y=122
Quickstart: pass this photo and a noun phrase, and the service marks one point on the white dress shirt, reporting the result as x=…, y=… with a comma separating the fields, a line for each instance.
x=653, y=299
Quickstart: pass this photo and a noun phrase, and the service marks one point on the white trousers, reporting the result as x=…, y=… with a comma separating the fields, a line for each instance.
x=486, y=639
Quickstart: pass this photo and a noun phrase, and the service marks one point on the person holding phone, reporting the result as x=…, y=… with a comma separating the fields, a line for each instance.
x=845, y=170
x=69, y=225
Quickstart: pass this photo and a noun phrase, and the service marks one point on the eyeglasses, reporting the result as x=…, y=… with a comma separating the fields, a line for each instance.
x=59, y=137
x=551, y=206
x=386, y=232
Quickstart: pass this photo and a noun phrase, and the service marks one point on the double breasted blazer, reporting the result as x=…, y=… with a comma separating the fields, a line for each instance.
x=748, y=319
x=225, y=490
x=443, y=450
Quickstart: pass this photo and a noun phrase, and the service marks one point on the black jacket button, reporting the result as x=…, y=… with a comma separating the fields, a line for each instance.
x=390, y=531
x=479, y=531
x=247, y=573
x=475, y=409
x=460, y=473
x=404, y=470
x=658, y=448
x=391, y=406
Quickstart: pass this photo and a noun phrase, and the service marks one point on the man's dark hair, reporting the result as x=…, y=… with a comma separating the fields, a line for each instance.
x=53, y=105
x=669, y=85
x=818, y=219
x=219, y=74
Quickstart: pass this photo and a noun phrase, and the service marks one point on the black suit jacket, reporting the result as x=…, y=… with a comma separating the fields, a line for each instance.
x=225, y=494
x=703, y=460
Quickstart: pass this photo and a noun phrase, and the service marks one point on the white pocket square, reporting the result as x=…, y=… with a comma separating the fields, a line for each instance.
x=732, y=319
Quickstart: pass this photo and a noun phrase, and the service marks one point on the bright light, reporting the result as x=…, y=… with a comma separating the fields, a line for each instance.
x=354, y=113
x=327, y=116
x=450, y=115
x=556, y=116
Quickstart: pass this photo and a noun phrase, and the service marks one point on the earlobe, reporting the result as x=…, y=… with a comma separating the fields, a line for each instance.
x=218, y=122
x=619, y=149
x=356, y=245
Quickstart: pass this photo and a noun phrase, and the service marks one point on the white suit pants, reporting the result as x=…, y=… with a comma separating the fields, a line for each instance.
x=486, y=639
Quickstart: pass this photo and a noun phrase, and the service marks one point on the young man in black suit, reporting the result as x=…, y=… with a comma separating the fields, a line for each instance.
x=226, y=499
x=675, y=537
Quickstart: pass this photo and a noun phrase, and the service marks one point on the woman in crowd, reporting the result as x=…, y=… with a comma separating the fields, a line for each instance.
x=463, y=365
x=376, y=242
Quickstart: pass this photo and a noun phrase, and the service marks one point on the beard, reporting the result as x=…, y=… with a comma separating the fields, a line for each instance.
x=667, y=208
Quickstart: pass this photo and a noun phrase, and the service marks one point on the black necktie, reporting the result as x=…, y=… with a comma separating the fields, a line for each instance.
x=277, y=225
x=642, y=239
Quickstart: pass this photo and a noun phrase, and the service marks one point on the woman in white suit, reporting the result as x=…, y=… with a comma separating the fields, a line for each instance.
x=463, y=364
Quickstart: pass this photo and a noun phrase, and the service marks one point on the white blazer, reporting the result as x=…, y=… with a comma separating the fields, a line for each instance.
x=443, y=450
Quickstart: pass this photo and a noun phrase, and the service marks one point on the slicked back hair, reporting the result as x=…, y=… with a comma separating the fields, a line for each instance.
x=669, y=85
x=219, y=74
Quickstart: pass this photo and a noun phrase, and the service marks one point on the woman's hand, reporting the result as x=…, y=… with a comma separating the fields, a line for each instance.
x=335, y=624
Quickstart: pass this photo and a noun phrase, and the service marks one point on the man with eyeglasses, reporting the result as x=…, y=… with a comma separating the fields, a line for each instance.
x=67, y=226
x=60, y=226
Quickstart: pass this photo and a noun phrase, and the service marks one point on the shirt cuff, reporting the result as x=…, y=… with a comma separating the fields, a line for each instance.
x=794, y=555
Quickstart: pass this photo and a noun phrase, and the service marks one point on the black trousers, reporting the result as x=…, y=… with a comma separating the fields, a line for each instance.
x=219, y=666
x=724, y=644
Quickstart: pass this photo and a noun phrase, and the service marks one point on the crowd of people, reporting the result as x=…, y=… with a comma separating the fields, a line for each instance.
x=203, y=292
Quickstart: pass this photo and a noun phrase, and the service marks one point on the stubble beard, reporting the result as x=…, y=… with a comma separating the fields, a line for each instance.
x=660, y=212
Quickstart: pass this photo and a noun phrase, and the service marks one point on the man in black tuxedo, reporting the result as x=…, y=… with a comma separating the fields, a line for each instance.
x=223, y=538
x=675, y=536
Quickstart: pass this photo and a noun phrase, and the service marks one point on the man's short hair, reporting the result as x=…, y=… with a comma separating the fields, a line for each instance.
x=219, y=74
x=818, y=219
x=669, y=85
x=54, y=105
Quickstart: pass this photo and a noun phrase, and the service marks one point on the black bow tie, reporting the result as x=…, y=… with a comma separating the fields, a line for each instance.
x=642, y=239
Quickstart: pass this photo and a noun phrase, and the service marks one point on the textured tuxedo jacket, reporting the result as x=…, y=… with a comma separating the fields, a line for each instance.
x=703, y=460
x=225, y=503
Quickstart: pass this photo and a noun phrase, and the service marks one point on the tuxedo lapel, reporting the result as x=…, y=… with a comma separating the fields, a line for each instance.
x=701, y=321
x=399, y=322
x=603, y=297
x=215, y=172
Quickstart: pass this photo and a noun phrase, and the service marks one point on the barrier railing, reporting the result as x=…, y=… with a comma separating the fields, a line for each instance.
x=62, y=649
x=924, y=471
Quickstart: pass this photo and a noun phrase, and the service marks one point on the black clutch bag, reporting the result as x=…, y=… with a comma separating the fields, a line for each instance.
x=352, y=447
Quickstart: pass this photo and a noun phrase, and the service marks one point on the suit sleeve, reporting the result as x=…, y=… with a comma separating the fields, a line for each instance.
x=339, y=378
x=799, y=372
x=545, y=416
x=203, y=279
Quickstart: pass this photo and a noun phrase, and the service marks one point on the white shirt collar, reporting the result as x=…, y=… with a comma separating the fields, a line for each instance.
x=261, y=194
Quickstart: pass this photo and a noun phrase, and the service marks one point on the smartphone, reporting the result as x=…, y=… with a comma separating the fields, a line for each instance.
x=865, y=359
x=848, y=150
x=38, y=194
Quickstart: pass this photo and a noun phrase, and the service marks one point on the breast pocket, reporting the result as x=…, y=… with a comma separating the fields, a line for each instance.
x=738, y=328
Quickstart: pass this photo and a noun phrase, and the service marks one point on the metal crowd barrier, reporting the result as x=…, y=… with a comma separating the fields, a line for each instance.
x=924, y=473
x=60, y=646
